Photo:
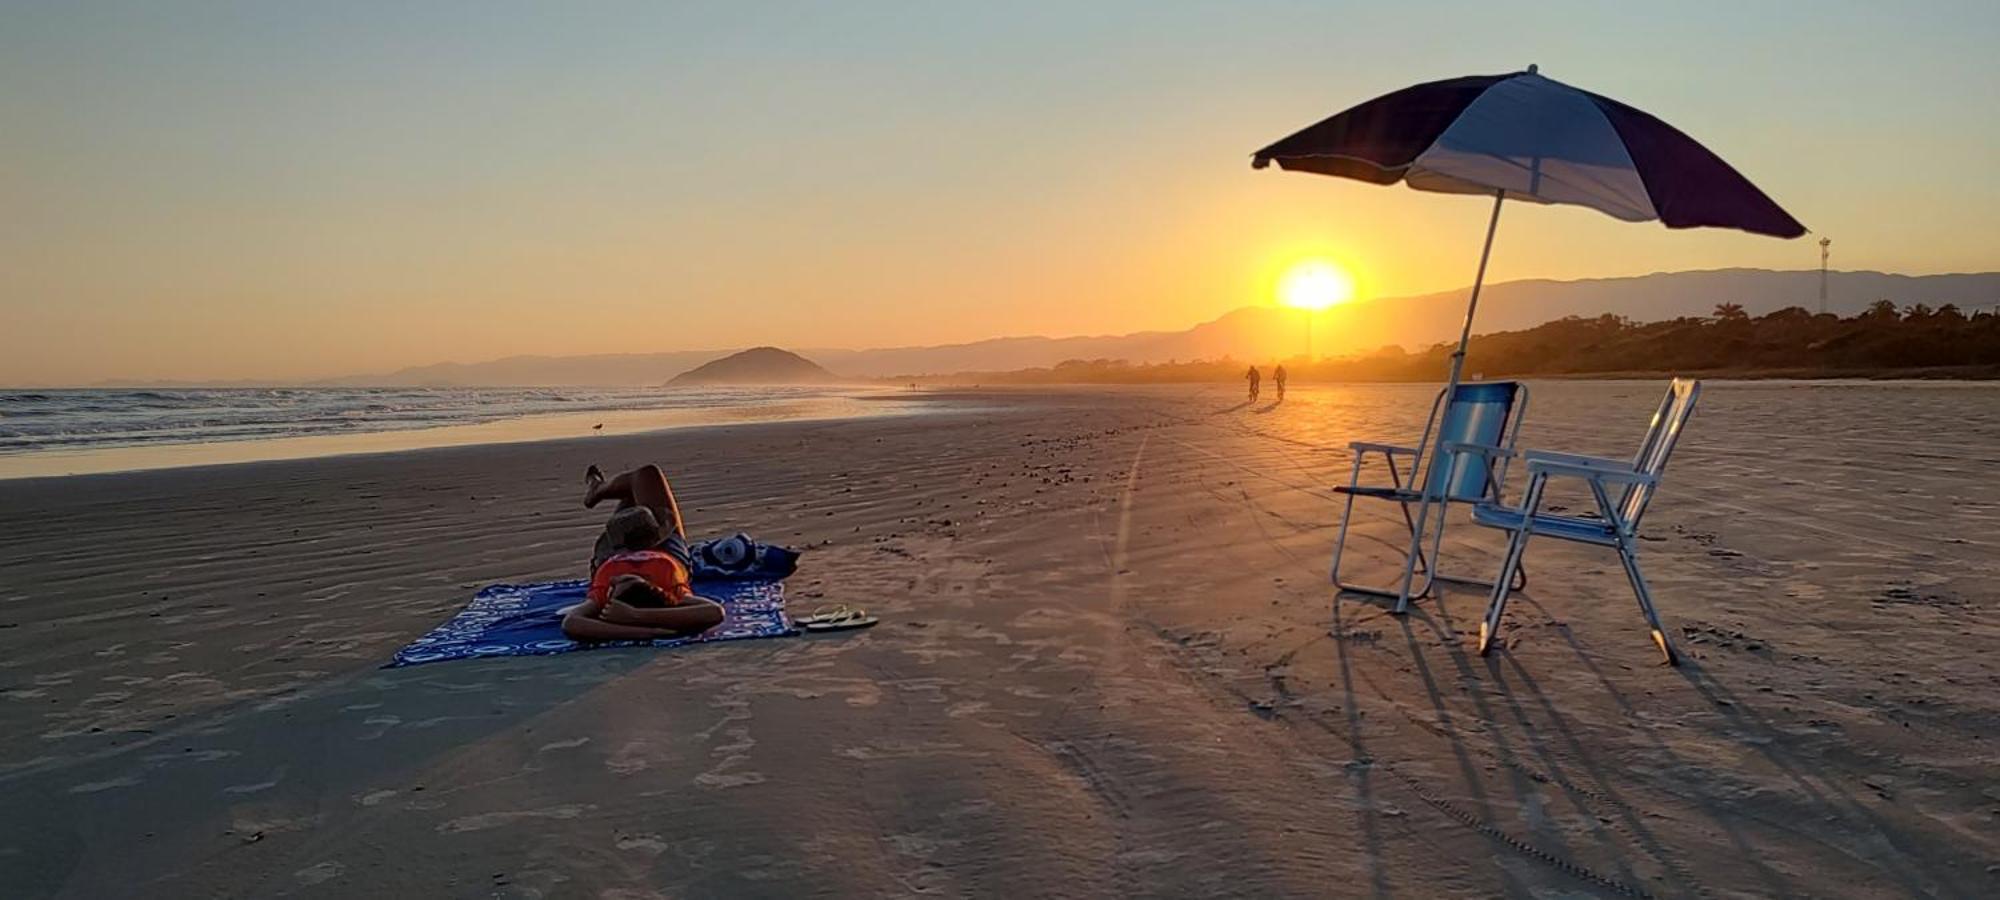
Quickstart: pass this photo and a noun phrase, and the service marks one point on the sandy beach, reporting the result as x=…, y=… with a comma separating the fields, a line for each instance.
x=1110, y=664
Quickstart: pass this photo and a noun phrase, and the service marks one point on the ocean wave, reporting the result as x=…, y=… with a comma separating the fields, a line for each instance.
x=47, y=420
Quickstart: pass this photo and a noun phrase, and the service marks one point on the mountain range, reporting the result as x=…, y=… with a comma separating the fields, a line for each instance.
x=1265, y=332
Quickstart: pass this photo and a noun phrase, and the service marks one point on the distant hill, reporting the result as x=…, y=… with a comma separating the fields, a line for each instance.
x=757, y=365
x=1249, y=332
x=1266, y=332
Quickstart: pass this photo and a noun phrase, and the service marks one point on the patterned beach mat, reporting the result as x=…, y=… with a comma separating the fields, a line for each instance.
x=526, y=620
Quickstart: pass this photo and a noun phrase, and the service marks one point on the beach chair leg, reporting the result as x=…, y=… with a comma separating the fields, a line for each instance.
x=1417, y=564
x=1645, y=596
x=1340, y=542
x=1437, y=542
x=1410, y=563
x=1340, y=548
x=1517, y=547
x=1423, y=565
x=1346, y=516
x=1489, y=627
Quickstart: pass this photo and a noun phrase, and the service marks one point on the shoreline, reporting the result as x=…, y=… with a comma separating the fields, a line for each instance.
x=928, y=399
x=531, y=428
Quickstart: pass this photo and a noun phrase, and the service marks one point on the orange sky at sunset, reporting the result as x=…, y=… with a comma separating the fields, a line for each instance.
x=295, y=193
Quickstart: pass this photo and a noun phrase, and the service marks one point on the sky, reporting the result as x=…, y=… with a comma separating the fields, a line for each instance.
x=283, y=190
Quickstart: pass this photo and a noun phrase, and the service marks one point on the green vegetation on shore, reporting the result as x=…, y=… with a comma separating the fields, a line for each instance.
x=1883, y=341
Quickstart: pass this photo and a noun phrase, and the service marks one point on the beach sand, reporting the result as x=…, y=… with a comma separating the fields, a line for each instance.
x=1109, y=664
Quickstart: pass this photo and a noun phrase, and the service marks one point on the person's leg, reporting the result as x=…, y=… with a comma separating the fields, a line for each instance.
x=597, y=490
x=644, y=486
x=651, y=490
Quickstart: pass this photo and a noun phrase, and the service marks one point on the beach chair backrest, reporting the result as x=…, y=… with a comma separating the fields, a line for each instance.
x=1476, y=413
x=1665, y=431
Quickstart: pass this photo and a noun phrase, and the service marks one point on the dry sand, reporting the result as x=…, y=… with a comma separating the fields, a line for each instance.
x=1110, y=665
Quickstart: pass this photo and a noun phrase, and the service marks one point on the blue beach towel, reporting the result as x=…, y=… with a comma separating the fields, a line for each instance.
x=745, y=576
x=526, y=620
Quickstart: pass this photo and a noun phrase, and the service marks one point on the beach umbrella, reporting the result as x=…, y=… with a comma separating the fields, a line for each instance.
x=1528, y=137
x=1524, y=136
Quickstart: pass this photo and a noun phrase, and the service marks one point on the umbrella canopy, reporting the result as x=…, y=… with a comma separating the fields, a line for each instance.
x=1533, y=138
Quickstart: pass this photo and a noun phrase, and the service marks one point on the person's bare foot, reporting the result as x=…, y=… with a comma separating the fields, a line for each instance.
x=593, y=478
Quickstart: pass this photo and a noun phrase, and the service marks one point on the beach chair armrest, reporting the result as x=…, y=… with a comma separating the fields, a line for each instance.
x=1622, y=473
x=1386, y=449
x=1488, y=450
x=1572, y=459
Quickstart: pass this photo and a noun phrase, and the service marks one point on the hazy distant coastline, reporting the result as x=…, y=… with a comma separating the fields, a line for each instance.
x=1791, y=343
x=1249, y=333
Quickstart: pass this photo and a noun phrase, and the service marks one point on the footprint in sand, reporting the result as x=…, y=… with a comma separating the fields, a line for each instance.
x=967, y=708
x=382, y=726
x=630, y=759
x=320, y=873
x=623, y=893
x=484, y=821
x=191, y=755
x=720, y=780
x=92, y=787
x=649, y=844
x=256, y=787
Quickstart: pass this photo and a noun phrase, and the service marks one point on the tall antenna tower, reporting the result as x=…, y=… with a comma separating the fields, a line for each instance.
x=1824, y=243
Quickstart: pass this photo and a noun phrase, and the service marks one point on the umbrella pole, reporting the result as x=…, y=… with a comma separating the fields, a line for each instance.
x=1433, y=423
x=1465, y=334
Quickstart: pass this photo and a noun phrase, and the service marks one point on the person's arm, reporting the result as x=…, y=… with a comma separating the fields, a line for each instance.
x=693, y=616
x=578, y=626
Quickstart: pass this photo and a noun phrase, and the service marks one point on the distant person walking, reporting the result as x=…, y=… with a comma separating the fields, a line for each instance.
x=1255, y=380
x=1278, y=375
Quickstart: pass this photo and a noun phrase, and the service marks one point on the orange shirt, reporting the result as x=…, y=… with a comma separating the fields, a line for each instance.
x=665, y=572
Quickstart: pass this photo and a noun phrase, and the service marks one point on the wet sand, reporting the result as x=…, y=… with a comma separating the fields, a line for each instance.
x=1110, y=664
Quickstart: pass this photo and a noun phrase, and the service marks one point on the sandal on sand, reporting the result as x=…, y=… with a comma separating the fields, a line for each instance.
x=822, y=614
x=846, y=620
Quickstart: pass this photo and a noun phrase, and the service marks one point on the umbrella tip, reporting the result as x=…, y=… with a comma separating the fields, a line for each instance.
x=1532, y=68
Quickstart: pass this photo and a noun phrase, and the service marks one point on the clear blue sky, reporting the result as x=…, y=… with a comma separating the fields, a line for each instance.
x=286, y=189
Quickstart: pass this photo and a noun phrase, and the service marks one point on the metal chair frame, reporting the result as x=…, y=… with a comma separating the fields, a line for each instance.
x=1618, y=523
x=1422, y=491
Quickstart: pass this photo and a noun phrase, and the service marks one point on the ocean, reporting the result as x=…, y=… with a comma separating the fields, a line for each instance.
x=83, y=428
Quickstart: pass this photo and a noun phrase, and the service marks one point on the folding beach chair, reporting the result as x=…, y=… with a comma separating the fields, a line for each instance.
x=1479, y=416
x=1618, y=523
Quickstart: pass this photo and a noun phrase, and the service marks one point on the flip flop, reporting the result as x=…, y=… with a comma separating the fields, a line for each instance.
x=849, y=620
x=822, y=614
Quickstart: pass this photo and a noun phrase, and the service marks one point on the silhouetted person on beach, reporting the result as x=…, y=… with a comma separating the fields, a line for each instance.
x=641, y=572
x=1255, y=382
x=1278, y=377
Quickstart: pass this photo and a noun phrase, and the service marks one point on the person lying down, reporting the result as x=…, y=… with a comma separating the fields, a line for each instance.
x=640, y=584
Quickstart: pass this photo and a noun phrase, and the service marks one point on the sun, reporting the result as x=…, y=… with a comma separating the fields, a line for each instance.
x=1315, y=284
